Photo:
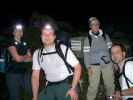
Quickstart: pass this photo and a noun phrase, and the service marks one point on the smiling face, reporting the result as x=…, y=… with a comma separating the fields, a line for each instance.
x=117, y=54
x=48, y=35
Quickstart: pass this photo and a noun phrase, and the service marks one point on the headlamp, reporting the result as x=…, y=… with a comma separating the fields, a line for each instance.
x=18, y=27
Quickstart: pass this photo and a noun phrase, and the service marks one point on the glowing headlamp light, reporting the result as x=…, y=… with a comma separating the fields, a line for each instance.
x=48, y=28
x=19, y=27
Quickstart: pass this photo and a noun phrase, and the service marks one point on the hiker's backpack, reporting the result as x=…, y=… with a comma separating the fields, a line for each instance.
x=42, y=77
x=123, y=73
x=59, y=52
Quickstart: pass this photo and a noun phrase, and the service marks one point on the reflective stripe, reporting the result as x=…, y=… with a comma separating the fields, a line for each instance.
x=76, y=45
x=24, y=43
x=109, y=44
x=86, y=49
x=76, y=48
x=16, y=43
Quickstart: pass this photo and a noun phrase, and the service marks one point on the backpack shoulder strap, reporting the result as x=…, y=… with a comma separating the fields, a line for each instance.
x=104, y=35
x=61, y=54
x=90, y=39
x=39, y=55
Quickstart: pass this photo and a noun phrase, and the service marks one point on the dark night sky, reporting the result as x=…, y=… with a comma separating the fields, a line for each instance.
x=66, y=11
x=122, y=23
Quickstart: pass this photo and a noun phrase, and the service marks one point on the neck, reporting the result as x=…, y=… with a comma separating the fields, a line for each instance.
x=121, y=62
x=95, y=31
x=49, y=45
x=17, y=39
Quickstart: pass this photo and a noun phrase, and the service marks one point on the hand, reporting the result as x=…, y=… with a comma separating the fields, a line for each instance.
x=90, y=71
x=72, y=93
x=117, y=95
x=27, y=58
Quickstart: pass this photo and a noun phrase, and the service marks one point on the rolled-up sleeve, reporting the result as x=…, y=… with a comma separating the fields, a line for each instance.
x=71, y=58
x=35, y=64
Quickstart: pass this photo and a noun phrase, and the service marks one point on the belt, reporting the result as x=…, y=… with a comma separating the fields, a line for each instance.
x=59, y=82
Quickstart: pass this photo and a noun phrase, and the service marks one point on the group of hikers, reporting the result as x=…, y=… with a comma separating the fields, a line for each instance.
x=62, y=69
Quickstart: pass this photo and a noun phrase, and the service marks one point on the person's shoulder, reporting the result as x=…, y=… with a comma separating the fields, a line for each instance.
x=10, y=42
x=37, y=51
x=63, y=46
x=129, y=66
x=129, y=62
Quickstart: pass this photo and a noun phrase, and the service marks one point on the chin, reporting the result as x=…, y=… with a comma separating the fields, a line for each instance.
x=95, y=31
x=117, y=62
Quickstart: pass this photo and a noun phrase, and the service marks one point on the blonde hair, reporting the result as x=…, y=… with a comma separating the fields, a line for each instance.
x=93, y=20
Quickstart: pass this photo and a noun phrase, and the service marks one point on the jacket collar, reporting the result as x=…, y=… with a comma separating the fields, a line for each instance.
x=100, y=33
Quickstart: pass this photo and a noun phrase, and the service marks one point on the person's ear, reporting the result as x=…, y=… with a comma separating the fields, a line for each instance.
x=54, y=36
x=124, y=54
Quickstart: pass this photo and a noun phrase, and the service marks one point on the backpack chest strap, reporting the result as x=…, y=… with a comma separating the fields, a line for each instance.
x=49, y=53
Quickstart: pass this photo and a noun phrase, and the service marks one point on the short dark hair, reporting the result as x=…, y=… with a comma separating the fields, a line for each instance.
x=123, y=49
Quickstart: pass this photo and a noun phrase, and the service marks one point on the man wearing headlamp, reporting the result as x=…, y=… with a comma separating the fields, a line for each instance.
x=17, y=68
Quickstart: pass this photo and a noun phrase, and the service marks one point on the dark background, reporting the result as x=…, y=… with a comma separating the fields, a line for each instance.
x=14, y=11
x=11, y=12
x=120, y=23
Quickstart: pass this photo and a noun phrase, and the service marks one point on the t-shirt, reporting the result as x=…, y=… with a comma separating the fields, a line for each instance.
x=129, y=74
x=53, y=65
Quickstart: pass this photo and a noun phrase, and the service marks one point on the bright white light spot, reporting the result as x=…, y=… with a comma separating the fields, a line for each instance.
x=19, y=27
x=48, y=26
